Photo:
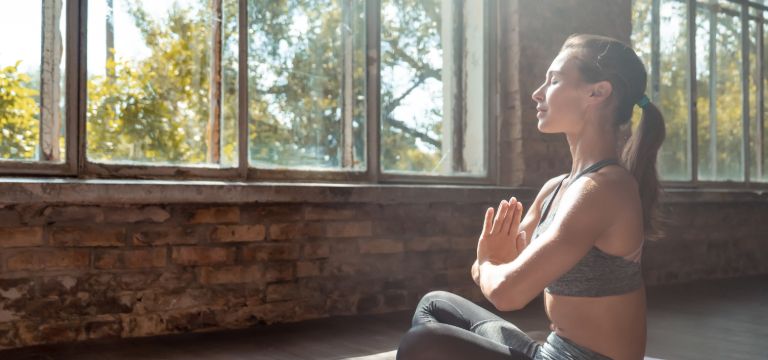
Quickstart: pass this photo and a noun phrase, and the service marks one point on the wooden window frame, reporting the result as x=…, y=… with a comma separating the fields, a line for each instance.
x=76, y=163
x=693, y=155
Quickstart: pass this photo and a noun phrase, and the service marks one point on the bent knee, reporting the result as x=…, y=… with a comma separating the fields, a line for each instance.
x=421, y=341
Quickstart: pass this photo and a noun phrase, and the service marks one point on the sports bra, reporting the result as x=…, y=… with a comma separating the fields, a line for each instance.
x=597, y=273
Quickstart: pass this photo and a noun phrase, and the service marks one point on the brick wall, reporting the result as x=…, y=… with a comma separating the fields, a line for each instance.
x=169, y=259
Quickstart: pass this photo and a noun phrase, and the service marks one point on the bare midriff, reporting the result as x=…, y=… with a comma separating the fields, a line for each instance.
x=611, y=325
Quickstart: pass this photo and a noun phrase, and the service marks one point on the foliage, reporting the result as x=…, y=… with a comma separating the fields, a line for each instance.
x=19, y=123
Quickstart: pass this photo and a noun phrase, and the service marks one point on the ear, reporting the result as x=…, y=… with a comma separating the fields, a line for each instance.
x=600, y=91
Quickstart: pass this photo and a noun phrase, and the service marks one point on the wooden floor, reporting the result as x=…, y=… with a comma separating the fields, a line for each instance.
x=723, y=319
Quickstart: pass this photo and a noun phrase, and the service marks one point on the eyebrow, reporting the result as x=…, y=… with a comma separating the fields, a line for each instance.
x=553, y=72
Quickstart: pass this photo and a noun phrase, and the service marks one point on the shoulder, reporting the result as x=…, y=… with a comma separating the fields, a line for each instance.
x=605, y=193
x=546, y=189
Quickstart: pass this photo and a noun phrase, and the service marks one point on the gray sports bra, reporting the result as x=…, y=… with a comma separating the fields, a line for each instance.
x=597, y=273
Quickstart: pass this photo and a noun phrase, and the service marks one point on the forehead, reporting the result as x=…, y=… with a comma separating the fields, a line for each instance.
x=564, y=63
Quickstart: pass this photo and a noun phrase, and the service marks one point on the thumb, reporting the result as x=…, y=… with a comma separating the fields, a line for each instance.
x=521, y=242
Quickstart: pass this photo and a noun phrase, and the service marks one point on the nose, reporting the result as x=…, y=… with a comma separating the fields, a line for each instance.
x=538, y=95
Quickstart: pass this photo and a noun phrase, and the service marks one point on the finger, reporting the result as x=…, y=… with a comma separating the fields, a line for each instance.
x=487, y=221
x=515, y=222
x=511, y=215
x=498, y=222
x=521, y=241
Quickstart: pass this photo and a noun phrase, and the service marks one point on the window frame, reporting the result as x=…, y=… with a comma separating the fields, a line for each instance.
x=76, y=163
x=745, y=17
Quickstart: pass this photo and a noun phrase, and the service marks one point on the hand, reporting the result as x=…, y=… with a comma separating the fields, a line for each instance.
x=501, y=241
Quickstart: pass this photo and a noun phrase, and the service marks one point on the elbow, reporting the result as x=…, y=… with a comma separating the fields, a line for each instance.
x=503, y=298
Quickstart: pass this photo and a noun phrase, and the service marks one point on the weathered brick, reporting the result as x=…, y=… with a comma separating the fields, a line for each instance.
x=216, y=215
x=21, y=236
x=40, y=259
x=316, y=250
x=130, y=259
x=257, y=214
x=349, y=229
x=131, y=215
x=279, y=271
x=309, y=268
x=199, y=255
x=167, y=235
x=301, y=230
x=380, y=246
x=230, y=275
x=238, y=233
x=282, y=292
x=103, y=329
x=271, y=251
x=73, y=236
x=428, y=243
x=57, y=214
x=321, y=212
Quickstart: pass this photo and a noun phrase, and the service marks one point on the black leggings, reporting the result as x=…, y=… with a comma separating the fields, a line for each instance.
x=447, y=326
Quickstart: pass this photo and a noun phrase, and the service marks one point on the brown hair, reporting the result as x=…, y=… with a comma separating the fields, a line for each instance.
x=606, y=59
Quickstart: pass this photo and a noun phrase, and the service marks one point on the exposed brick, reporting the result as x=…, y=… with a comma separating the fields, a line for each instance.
x=103, y=329
x=296, y=230
x=87, y=237
x=309, y=268
x=349, y=229
x=316, y=250
x=380, y=246
x=199, y=255
x=167, y=235
x=279, y=271
x=66, y=214
x=153, y=214
x=21, y=236
x=238, y=233
x=426, y=243
x=39, y=259
x=230, y=275
x=130, y=259
x=282, y=291
x=320, y=212
x=217, y=215
x=271, y=251
x=271, y=213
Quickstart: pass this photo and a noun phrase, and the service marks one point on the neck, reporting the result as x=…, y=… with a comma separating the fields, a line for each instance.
x=592, y=144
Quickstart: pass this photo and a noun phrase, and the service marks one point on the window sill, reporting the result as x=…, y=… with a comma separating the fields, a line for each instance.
x=99, y=191
x=124, y=192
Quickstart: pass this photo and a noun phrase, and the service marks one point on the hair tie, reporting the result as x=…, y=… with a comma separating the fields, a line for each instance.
x=643, y=102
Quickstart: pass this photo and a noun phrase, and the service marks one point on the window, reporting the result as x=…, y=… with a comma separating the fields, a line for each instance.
x=297, y=90
x=708, y=75
x=32, y=70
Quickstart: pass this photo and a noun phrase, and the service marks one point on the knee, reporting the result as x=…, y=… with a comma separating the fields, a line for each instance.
x=435, y=295
x=420, y=342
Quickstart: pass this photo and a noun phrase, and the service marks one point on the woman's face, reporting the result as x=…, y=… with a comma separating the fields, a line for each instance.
x=562, y=100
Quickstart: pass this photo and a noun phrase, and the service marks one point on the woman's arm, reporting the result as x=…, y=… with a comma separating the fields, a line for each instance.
x=586, y=209
x=529, y=222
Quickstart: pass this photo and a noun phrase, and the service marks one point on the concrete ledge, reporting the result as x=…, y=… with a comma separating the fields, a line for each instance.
x=100, y=191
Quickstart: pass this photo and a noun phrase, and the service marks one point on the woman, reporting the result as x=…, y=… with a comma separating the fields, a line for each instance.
x=587, y=226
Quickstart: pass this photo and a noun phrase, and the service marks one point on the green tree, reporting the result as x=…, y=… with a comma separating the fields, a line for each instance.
x=19, y=123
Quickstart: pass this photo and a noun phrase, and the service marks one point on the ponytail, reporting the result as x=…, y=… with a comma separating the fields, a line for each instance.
x=640, y=159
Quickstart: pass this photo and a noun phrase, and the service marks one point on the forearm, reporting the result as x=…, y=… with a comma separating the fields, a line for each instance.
x=495, y=281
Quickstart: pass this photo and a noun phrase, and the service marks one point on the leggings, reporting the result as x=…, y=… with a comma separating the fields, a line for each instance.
x=447, y=326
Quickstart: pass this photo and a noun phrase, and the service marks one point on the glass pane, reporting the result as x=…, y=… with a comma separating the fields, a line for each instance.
x=719, y=79
x=673, y=90
x=151, y=70
x=31, y=90
x=763, y=174
x=433, y=87
x=754, y=80
x=306, y=80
